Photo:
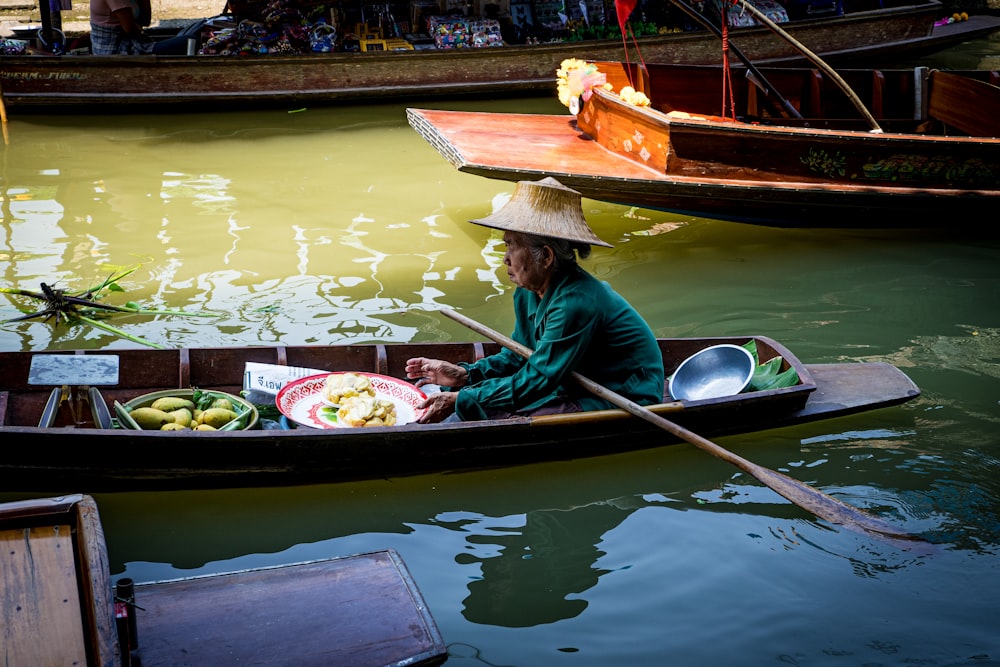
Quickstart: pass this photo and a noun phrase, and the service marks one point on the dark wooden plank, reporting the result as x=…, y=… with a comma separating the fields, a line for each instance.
x=972, y=107
x=844, y=389
x=354, y=611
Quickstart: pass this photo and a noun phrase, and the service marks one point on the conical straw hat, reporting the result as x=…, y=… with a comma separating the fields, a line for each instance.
x=544, y=208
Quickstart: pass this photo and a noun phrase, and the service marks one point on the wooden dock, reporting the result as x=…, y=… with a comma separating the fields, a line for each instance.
x=57, y=605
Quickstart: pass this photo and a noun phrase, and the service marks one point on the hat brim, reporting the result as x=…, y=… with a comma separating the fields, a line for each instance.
x=544, y=208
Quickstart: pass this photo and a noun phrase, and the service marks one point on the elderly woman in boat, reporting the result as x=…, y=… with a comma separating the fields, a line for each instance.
x=573, y=322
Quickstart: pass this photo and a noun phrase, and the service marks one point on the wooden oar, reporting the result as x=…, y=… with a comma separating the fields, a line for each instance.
x=812, y=500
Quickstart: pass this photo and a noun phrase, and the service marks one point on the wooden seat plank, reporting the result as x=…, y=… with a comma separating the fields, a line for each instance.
x=40, y=607
x=971, y=106
x=354, y=611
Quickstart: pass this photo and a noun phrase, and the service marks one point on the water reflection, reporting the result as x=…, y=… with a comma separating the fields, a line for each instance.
x=290, y=234
x=535, y=566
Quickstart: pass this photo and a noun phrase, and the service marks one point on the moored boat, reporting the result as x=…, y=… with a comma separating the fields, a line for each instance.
x=81, y=83
x=931, y=156
x=59, y=449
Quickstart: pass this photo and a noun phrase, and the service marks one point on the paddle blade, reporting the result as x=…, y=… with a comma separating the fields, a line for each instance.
x=827, y=507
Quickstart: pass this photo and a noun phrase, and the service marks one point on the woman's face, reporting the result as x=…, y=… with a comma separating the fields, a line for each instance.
x=522, y=267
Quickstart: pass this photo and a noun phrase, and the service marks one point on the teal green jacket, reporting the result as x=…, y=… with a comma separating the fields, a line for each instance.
x=580, y=325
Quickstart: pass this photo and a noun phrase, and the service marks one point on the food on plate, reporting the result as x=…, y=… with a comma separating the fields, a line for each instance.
x=342, y=386
x=366, y=410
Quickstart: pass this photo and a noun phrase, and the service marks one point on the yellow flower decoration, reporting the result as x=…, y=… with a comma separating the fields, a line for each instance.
x=633, y=97
x=576, y=78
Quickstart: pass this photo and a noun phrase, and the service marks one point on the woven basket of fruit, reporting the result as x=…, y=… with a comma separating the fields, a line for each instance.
x=187, y=409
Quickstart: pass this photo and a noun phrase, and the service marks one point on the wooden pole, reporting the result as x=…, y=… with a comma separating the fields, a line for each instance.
x=3, y=118
x=815, y=59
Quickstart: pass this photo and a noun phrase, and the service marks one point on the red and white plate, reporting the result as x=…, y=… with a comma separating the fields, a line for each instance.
x=302, y=401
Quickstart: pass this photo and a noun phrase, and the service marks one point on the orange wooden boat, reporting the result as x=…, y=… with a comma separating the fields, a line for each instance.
x=931, y=158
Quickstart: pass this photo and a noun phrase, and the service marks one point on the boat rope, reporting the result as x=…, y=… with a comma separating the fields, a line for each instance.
x=623, y=9
x=783, y=107
x=727, y=73
x=638, y=53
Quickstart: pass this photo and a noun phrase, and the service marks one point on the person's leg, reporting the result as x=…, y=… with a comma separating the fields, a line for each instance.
x=172, y=46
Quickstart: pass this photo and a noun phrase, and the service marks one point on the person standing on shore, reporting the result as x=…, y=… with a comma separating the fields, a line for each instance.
x=116, y=28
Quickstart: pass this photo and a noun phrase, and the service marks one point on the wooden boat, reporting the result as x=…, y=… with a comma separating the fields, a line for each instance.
x=83, y=83
x=362, y=610
x=76, y=451
x=934, y=159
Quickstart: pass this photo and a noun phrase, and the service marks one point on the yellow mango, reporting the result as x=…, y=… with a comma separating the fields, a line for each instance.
x=171, y=403
x=217, y=417
x=223, y=403
x=150, y=419
x=205, y=427
x=174, y=427
x=182, y=416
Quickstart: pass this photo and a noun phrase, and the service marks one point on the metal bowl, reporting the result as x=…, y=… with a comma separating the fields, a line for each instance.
x=717, y=371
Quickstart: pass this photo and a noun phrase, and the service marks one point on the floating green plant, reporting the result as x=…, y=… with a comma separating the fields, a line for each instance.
x=84, y=306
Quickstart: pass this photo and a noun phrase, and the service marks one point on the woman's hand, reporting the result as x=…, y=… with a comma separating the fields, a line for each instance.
x=435, y=371
x=437, y=407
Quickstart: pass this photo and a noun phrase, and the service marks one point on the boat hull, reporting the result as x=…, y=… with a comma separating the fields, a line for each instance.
x=130, y=83
x=81, y=456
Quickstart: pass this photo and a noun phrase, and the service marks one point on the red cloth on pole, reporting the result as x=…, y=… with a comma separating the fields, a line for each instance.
x=624, y=9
